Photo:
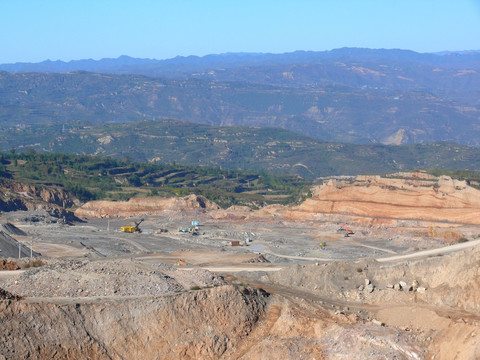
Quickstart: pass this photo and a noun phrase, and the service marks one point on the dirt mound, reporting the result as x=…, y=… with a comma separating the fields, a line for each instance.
x=449, y=280
x=108, y=278
x=372, y=196
x=144, y=206
x=12, y=229
x=226, y=322
x=258, y=259
x=206, y=324
x=9, y=247
x=437, y=298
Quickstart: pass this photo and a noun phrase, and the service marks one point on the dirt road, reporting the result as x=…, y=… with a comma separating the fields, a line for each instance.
x=425, y=253
x=238, y=268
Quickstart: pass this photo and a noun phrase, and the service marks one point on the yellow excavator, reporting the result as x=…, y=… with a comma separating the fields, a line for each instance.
x=132, y=228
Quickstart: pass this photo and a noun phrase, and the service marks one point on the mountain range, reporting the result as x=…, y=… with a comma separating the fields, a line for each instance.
x=334, y=112
x=325, y=100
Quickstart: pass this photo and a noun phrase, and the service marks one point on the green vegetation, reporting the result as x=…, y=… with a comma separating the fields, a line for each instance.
x=90, y=177
x=471, y=177
x=271, y=150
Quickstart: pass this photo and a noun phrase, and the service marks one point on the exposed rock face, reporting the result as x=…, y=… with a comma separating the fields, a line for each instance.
x=139, y=206
x=194, y=325
x=54, y=200
x=50, y=195
x=420, y=197
x=373, y=196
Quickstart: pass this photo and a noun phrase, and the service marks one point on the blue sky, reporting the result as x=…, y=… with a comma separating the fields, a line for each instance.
x=36, y=30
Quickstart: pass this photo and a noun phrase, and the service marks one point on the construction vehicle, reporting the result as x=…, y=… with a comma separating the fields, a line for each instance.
x=193, y=229
x=132, y=228
x=348, y=232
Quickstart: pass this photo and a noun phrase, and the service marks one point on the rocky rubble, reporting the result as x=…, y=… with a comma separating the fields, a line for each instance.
x=5, y=295
x=258, y=259
x=451, y=280
x=402, y=286
x=108, y=278
x=368, y=287
x=207, y=324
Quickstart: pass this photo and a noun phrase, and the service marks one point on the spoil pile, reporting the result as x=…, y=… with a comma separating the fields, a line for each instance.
x=9, y=247
x=11, y=229
x=208, y=324
x=108, y=278
x=258, y=259
x=450, y=280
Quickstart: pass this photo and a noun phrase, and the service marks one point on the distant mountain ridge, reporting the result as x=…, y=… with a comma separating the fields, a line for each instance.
x=128, y=65
x=348, y=95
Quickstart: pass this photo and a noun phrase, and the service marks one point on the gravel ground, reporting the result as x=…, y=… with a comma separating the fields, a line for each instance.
x=108, y=278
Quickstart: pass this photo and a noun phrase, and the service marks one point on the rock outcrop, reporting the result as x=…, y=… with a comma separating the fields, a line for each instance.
x=373, y=196
x=419, y=197
x=16, y=196
x=141, y=206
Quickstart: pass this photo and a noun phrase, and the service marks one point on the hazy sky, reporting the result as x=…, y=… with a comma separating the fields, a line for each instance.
x=36, y=30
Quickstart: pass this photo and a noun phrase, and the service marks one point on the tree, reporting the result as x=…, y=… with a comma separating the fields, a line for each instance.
x=134, y=180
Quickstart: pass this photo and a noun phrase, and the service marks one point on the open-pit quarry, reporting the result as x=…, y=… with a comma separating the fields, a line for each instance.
x=279, y=282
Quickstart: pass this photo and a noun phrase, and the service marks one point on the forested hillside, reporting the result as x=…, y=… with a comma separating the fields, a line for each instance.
x=254, y=149
x=90, y=177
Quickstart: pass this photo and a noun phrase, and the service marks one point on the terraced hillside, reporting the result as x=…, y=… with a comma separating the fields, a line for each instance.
x=253, y=149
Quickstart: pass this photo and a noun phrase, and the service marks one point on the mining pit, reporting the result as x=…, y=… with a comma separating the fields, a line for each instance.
x=281, y=282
